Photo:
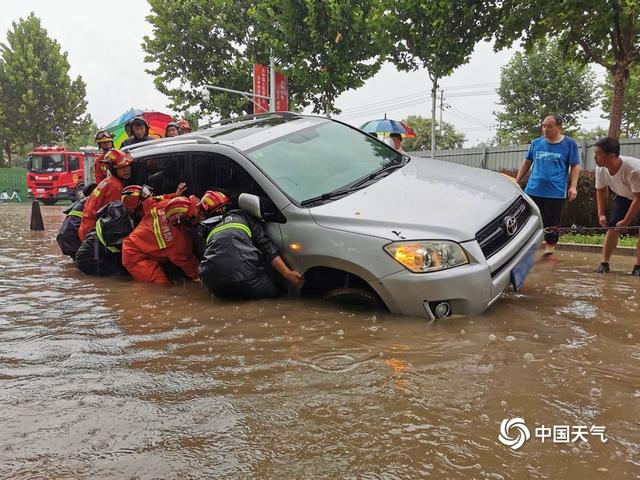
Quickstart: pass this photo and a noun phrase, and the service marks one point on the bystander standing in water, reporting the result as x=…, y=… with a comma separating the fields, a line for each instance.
x=621, y=175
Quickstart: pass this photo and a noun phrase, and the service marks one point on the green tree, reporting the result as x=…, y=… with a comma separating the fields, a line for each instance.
x=41, y=103
x=325, y=47
x=447, y=136
x=630, y=124
x=540, y=82
x=83, y=135
x=436, y=35
x=601, y=31
x=200, y=42
x=593, y=134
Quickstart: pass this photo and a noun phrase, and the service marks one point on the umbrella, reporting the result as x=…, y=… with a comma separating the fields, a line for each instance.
x=157, y=123
x=386, y=125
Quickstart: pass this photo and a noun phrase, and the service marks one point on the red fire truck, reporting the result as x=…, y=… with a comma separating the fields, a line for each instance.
x=56, y=174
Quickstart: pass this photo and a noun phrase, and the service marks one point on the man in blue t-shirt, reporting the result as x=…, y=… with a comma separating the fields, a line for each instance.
x=554, y=157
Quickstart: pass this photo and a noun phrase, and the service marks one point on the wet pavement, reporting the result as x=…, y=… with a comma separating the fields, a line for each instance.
x=106, y=378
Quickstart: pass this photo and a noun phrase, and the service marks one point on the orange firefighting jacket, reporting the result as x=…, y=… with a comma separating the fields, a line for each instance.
x=107, y=191
x=99, y=169
x=158, y=238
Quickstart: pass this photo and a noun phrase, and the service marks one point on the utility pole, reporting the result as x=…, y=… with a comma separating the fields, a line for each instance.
x=434, y=93
x=441, y=108
x=272, y=82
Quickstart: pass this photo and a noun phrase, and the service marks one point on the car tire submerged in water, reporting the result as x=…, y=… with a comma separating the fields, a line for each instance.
x=49, y=201
x=355, y=297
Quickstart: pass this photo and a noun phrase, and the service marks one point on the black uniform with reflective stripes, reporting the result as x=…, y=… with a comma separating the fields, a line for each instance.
x=100, y=253
x=133, y=140
x=67, y=237
x=237, y=253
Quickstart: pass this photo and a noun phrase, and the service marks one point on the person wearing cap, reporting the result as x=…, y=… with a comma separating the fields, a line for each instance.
x=139, y=130
x=107, y=191
x=104, y=139
x=163, y=235
x=237, y=254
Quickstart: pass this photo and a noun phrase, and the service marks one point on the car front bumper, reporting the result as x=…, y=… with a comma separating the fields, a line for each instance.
x=469, y=289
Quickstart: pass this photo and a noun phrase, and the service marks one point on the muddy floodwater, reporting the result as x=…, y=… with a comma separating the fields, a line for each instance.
x=107, y=378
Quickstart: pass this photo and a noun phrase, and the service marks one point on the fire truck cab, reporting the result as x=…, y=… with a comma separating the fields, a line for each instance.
x=55, y=173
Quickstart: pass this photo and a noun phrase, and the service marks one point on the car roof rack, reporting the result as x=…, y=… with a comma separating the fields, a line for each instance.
x=181, y=139
x=253, y=116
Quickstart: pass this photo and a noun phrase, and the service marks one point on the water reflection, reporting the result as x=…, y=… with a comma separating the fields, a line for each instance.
x=105, y=378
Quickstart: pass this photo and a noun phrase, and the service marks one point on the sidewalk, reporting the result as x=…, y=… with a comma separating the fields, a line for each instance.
x=583, y=247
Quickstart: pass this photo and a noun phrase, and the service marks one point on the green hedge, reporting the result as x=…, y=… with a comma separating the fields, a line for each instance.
x=14, y=177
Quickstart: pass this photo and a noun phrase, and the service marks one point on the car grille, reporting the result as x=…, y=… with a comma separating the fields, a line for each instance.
x=495, y=235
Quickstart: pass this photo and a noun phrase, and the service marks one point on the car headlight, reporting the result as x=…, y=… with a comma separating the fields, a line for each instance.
x=427, y=256
x=62, y=189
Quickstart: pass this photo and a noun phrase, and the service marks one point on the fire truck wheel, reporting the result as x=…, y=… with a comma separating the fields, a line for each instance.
x=49, y=201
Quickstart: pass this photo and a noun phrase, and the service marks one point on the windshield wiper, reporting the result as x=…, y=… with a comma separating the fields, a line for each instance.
x=357, y=185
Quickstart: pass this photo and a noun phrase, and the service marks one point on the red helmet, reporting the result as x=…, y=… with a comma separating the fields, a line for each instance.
x=212, y=200
x=181, y=208
x=133, y=195
x=184, y=126
x=118, y=158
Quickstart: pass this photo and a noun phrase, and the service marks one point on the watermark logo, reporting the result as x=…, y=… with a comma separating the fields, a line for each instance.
x=517, y=428
x=514, y=433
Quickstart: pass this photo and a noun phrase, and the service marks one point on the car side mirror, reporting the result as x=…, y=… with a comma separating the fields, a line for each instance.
x=250, y=203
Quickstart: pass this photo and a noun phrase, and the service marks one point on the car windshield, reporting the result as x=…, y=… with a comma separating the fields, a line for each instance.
x=46, y=163
x=321, y=159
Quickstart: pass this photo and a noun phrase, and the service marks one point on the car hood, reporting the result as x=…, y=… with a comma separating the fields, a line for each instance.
x=426, y=199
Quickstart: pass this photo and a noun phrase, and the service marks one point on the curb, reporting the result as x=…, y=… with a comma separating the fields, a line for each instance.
x=584, y=247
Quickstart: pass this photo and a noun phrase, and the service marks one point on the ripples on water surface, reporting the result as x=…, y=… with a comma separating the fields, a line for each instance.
x=105, y=378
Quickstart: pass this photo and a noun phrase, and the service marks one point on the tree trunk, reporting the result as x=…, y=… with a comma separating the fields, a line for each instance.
x=619, y=81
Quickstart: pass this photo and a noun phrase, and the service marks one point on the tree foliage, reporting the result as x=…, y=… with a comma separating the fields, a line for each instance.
x=326, y=47
x=540, y=82
x=630, y=123
x=438, y=35
x=447, y=137
x=39, y=102
x=199, y=42
x=601, y=31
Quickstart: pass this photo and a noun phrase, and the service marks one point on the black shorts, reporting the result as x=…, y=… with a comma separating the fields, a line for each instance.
x=619, y=211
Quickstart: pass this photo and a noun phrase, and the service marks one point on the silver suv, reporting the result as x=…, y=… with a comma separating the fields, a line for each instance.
x=364, y=223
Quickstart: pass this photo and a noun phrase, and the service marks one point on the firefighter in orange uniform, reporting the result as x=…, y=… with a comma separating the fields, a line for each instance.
x=162, y=235
x=104, y=139
x=107, y=191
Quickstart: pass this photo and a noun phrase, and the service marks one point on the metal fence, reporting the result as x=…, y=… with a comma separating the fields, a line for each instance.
x=14, y=178
x=510, y=157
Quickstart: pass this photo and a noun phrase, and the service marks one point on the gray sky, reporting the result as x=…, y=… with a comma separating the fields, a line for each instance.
x=103, y=42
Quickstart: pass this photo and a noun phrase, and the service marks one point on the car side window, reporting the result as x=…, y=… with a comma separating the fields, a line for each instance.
x=218, y=172
x=163, y=173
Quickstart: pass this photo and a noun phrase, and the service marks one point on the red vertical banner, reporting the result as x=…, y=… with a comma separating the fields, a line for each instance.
x=260, y=87
x=282, y=92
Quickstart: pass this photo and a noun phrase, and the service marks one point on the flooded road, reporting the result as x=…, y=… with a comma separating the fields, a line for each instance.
x=106, y=378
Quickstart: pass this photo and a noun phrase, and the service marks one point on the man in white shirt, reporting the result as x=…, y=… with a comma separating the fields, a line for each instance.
x=621, y=175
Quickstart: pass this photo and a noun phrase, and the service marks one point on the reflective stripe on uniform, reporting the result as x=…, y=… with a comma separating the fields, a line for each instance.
x=156, y=229
x=226, y=226
x=99, y=235
x=75, y=213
